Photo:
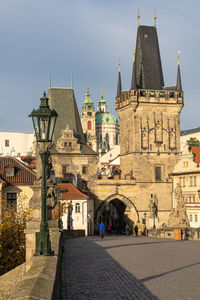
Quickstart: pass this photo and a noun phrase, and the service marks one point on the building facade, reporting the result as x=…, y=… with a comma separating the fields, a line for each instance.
x=186, y=174
x=16, y=143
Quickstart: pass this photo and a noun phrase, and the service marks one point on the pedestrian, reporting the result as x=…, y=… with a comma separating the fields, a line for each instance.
x=109, y=229
x=127, y=229
x=136, y=230
x=101, y=229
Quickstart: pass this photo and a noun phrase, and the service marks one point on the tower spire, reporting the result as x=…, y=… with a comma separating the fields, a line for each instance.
x=138, y=16
x=49, y=79
x=133, y=81
x=119, y=84
x=154, y=17
x=178, y=81
x=72, y=81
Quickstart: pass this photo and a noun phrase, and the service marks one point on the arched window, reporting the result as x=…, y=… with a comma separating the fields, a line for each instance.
x=89, y=125
x=77, y=208
x=107, y=137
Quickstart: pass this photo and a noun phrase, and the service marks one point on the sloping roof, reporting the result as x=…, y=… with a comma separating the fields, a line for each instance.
x=64, y=102
x=148, y=67
x=189, y=131
x=196, y=153
x=115, y=161
x=23, y=175
x=70, y=192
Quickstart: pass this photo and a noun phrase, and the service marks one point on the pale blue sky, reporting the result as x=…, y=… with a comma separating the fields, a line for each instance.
x=87, y=37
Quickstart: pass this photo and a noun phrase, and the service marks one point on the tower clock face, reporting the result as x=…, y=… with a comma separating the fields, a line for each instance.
x=89, y=113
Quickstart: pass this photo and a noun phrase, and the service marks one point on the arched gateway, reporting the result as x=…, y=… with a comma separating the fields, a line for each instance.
x=117, y=210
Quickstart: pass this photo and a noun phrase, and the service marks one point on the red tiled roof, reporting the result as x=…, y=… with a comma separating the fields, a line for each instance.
x=70, y=192
x=29, y=159
x=196, y=153
x=23, y=175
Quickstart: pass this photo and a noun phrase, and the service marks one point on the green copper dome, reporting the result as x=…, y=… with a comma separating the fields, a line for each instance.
x=88, y=104
x=105, y=118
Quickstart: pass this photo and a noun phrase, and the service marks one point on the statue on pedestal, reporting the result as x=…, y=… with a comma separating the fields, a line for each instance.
x=178, y=216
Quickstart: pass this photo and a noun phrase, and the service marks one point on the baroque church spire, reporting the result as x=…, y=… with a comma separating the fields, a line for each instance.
x=119, y=84
x=178, y=81
x=88, y=104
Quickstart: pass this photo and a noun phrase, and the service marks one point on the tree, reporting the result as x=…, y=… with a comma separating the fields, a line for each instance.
x=12, y=238
x=193, y=142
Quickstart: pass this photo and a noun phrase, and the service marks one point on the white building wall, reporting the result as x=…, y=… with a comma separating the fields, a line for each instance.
x=16, y=143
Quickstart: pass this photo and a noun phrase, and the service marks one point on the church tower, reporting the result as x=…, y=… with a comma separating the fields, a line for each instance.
x=88, y=121
x=149, y=115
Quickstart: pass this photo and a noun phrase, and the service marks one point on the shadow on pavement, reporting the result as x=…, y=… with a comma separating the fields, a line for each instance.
x=89, y=272
x=139, y=244
x=172, y=271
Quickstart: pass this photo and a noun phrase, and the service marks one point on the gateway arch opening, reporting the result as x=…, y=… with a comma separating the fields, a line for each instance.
x=113, y=213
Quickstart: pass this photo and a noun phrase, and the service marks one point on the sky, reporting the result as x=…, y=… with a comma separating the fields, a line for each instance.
x=87, y=38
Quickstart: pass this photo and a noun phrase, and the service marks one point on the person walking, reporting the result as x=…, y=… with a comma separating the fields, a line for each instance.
x=136, y=230
x=127, y=229
x=109, y=230
x=101, y=229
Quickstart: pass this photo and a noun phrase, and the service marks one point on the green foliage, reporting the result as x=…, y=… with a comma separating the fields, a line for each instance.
x=12, y=238
x=193, y=142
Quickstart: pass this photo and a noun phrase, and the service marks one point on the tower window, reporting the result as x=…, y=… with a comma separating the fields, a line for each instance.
x=6, y=143
x=84, y=169
x=89, y=125
x=77, y=208
x=158, y=173
x=89, y=113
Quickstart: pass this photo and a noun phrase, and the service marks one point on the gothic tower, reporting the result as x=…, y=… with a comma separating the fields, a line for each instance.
x=149, y=115
x=88, y=121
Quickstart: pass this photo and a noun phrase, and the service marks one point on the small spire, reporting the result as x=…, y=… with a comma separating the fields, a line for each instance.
x=179, y=52
x=72, y=81
x=154, y=17
x=88, y=91
x=119, y=63
x=138, y=16
x=178, y=81
x=133, y=81
x=50, y=80
x=101, y=92
x=119, y=84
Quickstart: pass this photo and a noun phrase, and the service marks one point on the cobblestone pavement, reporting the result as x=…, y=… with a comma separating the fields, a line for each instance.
x=119, y=267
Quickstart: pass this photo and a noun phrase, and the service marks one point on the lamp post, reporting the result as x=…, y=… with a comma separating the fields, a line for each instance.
x=44, y=120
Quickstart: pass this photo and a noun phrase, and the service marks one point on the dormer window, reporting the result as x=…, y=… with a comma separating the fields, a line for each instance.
x=10, y=171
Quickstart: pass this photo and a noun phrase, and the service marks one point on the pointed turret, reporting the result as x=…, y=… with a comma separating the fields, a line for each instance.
x=178, y=81
x=133, y=81
x=88, y=104
x=119, y=84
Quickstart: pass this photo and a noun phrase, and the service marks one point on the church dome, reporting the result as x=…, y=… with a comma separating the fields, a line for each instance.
x=105, y=118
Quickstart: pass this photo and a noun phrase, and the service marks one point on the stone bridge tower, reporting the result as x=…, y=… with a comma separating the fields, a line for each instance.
x=149, y=115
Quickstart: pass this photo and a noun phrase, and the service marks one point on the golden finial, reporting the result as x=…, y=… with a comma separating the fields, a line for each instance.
x=101, y=92
x=138, y=16
x=154, y=17
x=179, y=52
x=119, y=63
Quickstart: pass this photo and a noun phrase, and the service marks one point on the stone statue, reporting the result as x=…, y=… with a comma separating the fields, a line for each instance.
x=153, y=207
x=178, y=216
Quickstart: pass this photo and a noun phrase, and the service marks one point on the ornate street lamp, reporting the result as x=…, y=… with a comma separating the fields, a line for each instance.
x=44, y=120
